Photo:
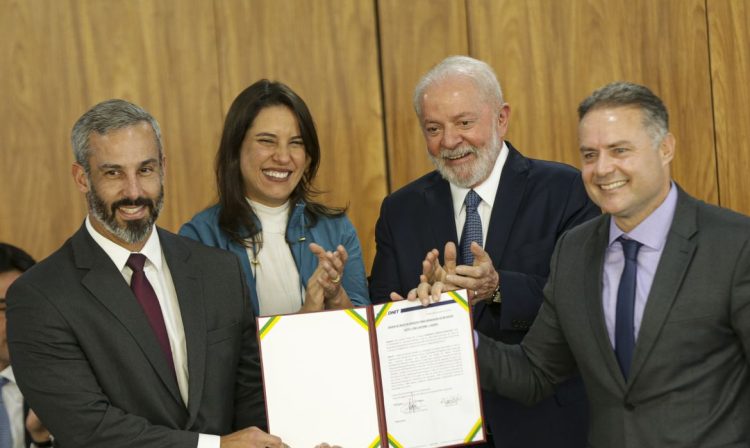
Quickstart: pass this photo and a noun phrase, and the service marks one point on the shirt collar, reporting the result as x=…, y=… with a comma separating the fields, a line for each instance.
x=487, y=190
x=653, y=230
x=120, y=255
x=8, y=374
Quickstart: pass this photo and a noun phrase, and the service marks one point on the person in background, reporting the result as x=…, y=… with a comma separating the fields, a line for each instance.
x=25, y=429
x=129, y=335
x=485, y=194
x=297, y=255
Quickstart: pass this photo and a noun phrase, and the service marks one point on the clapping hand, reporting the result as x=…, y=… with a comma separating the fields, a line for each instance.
x=480, y=279
x=324, y=290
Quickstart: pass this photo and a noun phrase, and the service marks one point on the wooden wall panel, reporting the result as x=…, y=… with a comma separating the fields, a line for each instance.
x=551, y=54
x=414, y=36
x=326, y=50
x=185, y=60
x=40, y=205
x=60, y=58
x=730, y=65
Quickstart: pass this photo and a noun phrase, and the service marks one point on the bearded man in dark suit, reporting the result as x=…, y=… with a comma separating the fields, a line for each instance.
x=485, y=194
x=129, y=335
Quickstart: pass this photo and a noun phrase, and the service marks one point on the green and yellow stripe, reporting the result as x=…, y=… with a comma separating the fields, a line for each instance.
x=358, y=318
x=269, y=324
x=460, y=300
x=375, y=443
x=393, y=442
x=382, y=313
x=474, y=431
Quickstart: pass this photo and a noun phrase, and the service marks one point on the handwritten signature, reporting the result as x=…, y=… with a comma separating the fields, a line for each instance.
x=412, y=406
x=451, y=400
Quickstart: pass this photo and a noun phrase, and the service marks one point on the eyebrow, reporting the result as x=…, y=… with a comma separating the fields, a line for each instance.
x=609, y=146
x=108, y=166
x=619, y=143
x=465, y=115
x=271, y=134
x=472, y=115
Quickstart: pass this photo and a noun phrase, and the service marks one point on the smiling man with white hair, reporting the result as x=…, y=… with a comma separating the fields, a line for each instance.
x=495, y=213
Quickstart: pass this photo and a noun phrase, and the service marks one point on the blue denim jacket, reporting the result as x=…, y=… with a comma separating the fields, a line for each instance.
x=327, y=232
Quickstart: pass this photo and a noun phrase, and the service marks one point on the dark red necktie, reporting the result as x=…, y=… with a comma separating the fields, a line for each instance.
x=146, y=296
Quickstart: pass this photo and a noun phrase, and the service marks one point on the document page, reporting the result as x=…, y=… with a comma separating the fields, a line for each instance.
x=428, y=372
x=318, y=376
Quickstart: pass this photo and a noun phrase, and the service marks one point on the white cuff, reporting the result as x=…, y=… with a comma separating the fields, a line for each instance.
x=208, y=441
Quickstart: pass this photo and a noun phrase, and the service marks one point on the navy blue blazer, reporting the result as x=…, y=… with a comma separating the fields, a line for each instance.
x=536, y=202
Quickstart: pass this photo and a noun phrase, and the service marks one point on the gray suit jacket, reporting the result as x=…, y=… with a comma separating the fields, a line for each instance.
x=690, y=379
x=89, y=364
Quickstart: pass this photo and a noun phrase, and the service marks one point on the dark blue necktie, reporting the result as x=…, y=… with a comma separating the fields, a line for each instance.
x=472, y=227
x=624, y=326
x=5, y=438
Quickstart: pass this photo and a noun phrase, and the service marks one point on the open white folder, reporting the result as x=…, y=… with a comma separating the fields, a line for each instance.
x=396, y=374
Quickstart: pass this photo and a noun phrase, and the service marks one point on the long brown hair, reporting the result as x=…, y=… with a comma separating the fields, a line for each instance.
x=236, y=217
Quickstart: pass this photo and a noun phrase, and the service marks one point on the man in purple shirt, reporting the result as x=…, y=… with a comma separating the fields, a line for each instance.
x=650, y=302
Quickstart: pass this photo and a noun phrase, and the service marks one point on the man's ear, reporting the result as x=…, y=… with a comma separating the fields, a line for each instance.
x=80, y=178
x=503, y=120
x=666, y=148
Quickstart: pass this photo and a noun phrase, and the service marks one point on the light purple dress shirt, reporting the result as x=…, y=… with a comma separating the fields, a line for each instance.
x=652, y=233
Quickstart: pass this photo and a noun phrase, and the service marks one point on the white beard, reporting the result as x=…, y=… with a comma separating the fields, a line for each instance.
x=469, y=174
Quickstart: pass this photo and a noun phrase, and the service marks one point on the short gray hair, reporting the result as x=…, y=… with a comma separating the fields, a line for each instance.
x=479, y=72
x=628, y=94
x=107, y=116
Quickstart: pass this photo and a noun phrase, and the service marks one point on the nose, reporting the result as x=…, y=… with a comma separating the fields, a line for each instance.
x=604, y=165
x=282, y=154
x=451, y=138
x=132, y=188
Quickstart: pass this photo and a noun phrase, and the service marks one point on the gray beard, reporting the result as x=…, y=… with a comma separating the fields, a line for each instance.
x=473, y=174
x=133, y=231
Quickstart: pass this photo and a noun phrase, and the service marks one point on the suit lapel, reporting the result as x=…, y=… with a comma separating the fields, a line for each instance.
x=106, y=284
x=670, y=273
x=439, y=213
x=189, y=295
x=593, y=252
x=510, y=190
x=509, y=195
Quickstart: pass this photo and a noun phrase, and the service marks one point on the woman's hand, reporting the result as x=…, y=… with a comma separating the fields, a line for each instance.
x=329, y=275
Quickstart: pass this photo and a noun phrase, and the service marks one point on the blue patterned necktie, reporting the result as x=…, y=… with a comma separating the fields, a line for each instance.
x=624, y=327
x=5, y=439
x=472, y=227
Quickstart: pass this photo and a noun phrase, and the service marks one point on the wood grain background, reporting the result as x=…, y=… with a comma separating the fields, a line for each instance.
x=355, y=62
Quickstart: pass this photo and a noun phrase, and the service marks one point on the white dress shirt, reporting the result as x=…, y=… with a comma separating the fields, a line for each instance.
x=158, y=274
x=14, y=406
x=487, y=190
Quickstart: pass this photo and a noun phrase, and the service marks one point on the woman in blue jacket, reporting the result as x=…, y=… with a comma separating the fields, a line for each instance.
x=297, y=254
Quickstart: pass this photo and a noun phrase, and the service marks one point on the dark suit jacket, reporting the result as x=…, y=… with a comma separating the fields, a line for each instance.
x=689, y=384
x=536, y=202
x=89, y=364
